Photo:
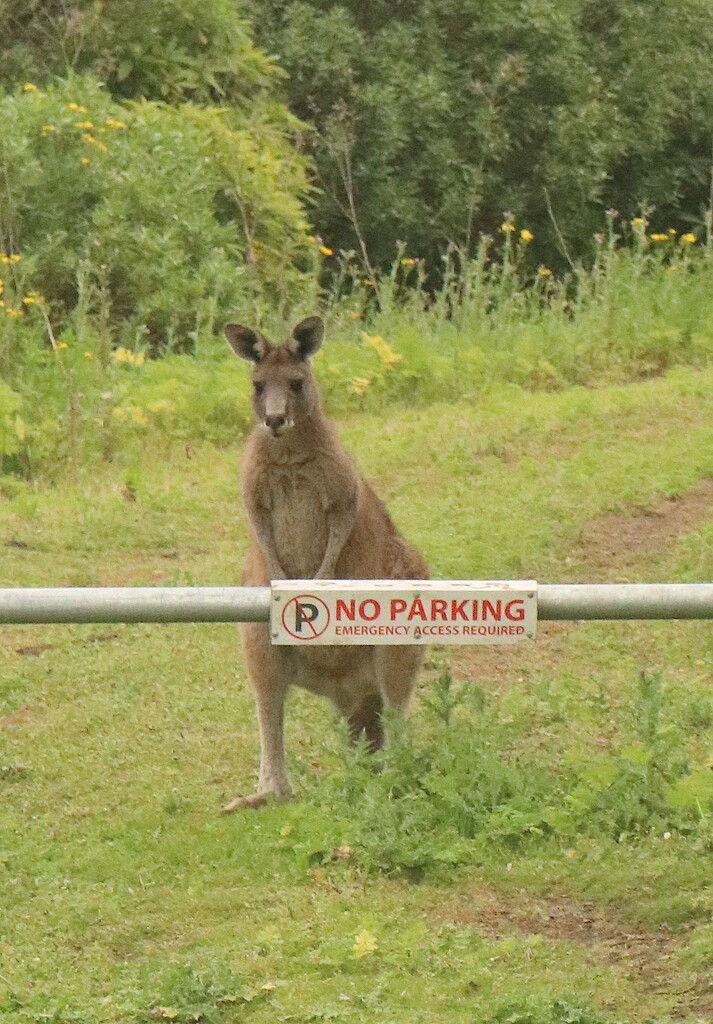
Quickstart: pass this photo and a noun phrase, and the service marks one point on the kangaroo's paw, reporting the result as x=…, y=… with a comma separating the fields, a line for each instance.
x=255, y=800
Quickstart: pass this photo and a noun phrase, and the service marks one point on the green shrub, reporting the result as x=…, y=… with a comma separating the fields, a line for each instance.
x=457, y=784
x=434, y=118
x=172, y=50
x=153, y=221
x=12, y=428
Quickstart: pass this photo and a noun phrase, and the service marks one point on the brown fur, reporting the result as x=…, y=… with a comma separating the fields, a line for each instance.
x=312, y=515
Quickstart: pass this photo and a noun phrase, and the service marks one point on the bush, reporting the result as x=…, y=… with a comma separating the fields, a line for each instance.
x=172, y=50
x=153, y=221
x=434, y=118
x=456, y=783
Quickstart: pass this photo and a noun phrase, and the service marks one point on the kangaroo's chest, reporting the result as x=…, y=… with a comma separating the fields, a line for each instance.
x=297, y=506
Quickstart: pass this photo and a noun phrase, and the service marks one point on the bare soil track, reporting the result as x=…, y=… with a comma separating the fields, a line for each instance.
x=610, y=549
x=643, y=956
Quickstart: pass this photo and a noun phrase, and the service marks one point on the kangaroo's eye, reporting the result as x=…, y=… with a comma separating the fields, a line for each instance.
x=296, y=385
x=258, y=387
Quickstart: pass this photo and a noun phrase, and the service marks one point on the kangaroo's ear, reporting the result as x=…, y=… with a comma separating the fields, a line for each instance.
x=246, y=343
x=306, y=337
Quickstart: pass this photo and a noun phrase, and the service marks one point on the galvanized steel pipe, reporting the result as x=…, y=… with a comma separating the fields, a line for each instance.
x=20, y=605
x=625, y=601
x=134, y=604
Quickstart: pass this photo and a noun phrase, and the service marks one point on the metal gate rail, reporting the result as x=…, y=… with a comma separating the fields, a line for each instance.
x=563, y=601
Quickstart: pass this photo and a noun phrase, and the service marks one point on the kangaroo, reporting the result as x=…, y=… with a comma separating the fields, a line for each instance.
x=312, y=515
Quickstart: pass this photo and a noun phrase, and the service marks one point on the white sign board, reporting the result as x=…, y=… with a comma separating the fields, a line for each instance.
x=311, y=612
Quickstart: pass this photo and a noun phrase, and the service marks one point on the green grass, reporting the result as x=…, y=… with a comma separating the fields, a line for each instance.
x=577, y=772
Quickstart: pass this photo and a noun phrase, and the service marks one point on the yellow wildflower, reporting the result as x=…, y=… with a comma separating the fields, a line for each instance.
x=86, y=125
x=507, y=226
x=382, y=349
x=125, y=355
x=353, y=315
x=690, y=238
x=526, y=236
x=46, y=128
x=30, y=87
x=89, y=355
x=544, y=272
x=61, y=346
x=85, y=160
x=639, y=222
x=408, y=262
x=364, y=945
x=672, y=231
x=659, y=237
x=325, y=250
x=89, y=139
x=2, y=304
x=9, y=260
x=360, y=385
x=114, y=123
x=29, y=300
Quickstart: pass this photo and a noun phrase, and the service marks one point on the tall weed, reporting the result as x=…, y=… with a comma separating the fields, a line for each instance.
x=453, y=783
x=641, y=309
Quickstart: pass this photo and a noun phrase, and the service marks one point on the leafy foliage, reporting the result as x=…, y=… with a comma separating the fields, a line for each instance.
x=437, y=800
x=434, y=118
x=196, y=50
x=155, y=221
x=642, y=311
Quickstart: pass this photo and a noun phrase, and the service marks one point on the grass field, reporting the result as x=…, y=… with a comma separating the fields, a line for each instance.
x=537, y=847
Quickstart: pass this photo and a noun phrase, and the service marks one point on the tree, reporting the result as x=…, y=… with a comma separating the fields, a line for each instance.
x=172, y=50
x=435, y=117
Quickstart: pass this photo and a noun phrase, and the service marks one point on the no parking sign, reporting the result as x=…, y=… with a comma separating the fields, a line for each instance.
x=309, y=612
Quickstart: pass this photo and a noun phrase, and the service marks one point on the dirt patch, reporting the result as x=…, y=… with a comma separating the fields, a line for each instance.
x=489, y=666
x=610, y=547
x=643, y=957
x=610, y=544
x=20, y=717
x=34, y=650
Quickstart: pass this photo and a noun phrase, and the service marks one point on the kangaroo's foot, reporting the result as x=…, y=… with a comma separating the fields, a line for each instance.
x=255, y=800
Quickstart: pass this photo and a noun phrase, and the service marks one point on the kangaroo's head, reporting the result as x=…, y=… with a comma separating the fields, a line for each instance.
x=285, y=392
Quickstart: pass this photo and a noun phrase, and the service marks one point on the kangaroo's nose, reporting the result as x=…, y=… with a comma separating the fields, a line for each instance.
x=275, y=422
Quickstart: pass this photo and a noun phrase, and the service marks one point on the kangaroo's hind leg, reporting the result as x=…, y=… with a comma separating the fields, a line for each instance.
x=269, y=672
x=396, y=669
x=365, y=720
